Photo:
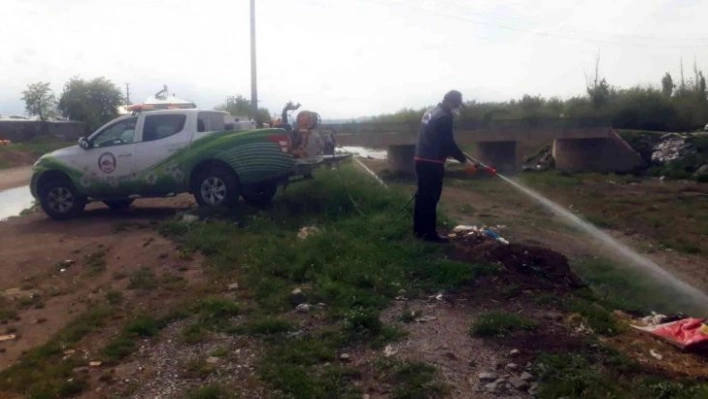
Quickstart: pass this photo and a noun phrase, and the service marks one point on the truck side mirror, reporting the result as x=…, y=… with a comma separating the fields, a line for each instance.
x=84, y=143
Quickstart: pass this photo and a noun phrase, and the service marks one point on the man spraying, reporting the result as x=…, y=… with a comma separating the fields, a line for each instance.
x=435, y=145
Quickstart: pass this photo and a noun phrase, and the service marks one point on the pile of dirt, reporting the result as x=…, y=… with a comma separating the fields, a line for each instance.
x=528, y=267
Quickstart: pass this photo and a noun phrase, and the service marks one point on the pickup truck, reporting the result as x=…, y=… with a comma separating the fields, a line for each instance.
x=163, y=153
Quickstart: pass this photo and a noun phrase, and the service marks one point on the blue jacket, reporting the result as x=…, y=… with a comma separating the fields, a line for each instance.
x=435, y=141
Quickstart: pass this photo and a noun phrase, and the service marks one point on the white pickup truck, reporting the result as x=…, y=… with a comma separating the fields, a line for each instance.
x=166, y=152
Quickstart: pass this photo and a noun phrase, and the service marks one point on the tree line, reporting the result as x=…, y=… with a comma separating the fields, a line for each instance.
x=93, y=102
x=673, y=105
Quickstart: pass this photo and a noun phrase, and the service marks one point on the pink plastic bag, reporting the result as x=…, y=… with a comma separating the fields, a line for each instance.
x=687, y=334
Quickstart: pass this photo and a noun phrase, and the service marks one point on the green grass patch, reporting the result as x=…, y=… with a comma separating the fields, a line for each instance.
x=606, y=375
x=114, y=297
x=413, y=380
x=194, y=333
x=500, y=324
x=211, y=391
x=143, y=279
x=96, y=262
x=267, y=325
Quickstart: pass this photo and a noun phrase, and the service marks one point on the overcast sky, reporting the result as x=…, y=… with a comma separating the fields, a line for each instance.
x=347, y=58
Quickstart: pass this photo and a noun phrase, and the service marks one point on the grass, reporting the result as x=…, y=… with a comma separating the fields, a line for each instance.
x=211, y=391
x=500, y=324
x=267, y=325
x=413, y=380
x=44, y=371
x=606, y=374
x=619, y=286
x=143, y=279
x=96, y=262
x=34, y=148
x=364, y=257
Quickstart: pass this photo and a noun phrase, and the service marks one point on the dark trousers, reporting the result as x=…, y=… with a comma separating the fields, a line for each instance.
x=430, y=181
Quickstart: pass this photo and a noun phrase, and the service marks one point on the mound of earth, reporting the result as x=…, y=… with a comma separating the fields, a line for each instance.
x=528, y=267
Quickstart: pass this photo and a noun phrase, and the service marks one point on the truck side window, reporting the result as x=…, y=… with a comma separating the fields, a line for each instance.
x=121, y=132
x=210, y=122
x=158, y=127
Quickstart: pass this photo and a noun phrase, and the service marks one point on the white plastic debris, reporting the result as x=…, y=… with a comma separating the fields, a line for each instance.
x=307, y=231
x=656, y=355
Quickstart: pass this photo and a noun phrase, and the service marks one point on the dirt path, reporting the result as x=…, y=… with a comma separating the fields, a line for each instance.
x=14, y=177
x=52, y=270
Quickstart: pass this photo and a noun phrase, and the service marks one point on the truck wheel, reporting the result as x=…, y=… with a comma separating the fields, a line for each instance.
x=260, y=195
x=216, y=186
x=119, y=205
x=60, y=200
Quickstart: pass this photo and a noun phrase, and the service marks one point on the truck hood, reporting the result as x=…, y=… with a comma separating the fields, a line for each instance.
x=63, y=154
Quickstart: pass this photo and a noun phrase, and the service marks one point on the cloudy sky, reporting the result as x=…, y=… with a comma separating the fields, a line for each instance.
x=347, y=58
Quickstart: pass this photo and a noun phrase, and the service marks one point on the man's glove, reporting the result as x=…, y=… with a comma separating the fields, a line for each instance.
x=471, y=168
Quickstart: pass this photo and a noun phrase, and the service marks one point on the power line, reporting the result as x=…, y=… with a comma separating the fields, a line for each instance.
x=521, y=30
x=487, y=14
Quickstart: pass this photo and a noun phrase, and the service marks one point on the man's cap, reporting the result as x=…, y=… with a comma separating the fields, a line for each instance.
x=453, y=97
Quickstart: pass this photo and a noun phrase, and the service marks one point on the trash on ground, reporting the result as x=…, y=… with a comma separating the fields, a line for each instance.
x=656, y=355
x=187, y=218
x=307, y=231
x=463, y=231
x=7, y=337
x=688, y=334
x=389, y=351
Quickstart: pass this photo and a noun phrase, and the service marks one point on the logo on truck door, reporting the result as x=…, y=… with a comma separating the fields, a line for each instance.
x=107, y=162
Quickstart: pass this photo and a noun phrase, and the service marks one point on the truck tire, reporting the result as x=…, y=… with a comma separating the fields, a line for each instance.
x=216, y=186
x=60, y=199
x=119, y=205
x=260, y=195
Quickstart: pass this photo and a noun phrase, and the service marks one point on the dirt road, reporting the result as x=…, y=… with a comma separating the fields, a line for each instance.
x=14, y=177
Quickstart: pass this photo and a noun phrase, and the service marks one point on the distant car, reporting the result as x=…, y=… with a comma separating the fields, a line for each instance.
x=162, y=153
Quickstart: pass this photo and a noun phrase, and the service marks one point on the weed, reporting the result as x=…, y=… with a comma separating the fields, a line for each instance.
x=143, y=326
x=119, y=348
x=409, y=316
x=96, y=262
x=114, y=297
x=219, y=352
x=42, y=372
x=215, y=313
x=193, y=333
x=500, y=324
x=412, y=380
x=597, y=317
x=267, y=326
x=197, y=367
x=143, y=279
x=211, y=391
x=361, y=324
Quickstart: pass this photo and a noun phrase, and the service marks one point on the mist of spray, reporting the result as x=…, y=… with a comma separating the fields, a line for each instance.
x=638, y=260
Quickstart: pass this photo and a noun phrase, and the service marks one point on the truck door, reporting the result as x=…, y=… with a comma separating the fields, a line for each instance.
x=159, y=159
x=108, y=165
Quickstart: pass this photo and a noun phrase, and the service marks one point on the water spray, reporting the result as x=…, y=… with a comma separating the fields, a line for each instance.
x=626, y=252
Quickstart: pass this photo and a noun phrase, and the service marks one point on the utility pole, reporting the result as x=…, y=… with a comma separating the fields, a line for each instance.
x=127, y=94
x=254, y=84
